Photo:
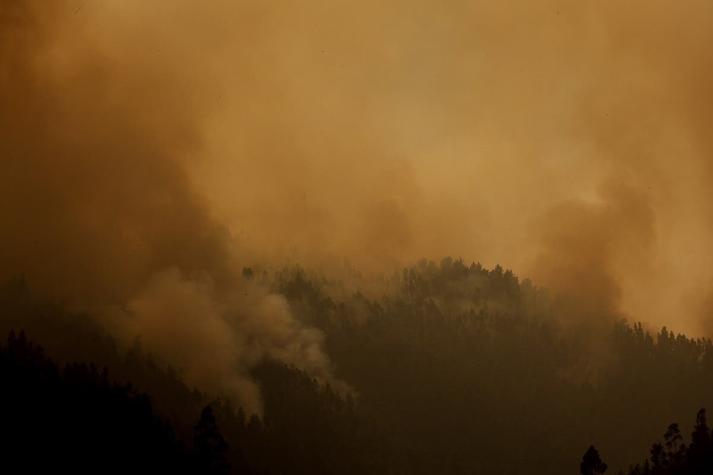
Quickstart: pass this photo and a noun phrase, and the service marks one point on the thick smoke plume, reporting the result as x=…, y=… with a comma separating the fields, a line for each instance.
x=149, y=149
x=97, y=211
x=567, y=140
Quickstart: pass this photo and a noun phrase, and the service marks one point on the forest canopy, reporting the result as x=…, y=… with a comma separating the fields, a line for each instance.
x=454, y=369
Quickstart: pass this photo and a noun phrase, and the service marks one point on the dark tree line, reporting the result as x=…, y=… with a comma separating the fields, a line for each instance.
x=75, y=419
x=455, y=369
x=671, y=456
x=306, y=428
x=463, y=369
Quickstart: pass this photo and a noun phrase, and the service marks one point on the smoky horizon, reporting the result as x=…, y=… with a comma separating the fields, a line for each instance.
x=229, y=182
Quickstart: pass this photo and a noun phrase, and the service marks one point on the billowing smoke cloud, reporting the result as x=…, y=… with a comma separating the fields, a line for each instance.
x=217, y=337
x=586, y=245
x=151, y=148
x=97, y=123
x=567, y=140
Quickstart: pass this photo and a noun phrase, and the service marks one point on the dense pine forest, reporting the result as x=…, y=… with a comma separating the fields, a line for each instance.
x=448, y=368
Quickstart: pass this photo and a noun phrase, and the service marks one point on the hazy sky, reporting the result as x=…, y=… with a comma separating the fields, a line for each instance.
x=569, y=140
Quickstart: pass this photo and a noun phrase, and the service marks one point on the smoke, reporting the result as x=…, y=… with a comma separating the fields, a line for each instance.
x=151, y=149
x=217, y=337
x=586, y=245
x=98, y=119
x=567, y=140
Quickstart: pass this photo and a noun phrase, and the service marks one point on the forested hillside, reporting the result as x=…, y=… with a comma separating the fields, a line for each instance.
x=468, y=369
x=451, y=368
x=74, y=419
x=224, y=230
x=674, y=455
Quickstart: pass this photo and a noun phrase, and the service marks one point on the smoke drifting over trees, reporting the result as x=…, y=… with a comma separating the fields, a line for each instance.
x=165, y=167
x=98, y=211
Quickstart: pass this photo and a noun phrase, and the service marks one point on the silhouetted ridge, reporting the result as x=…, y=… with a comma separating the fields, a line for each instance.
x=74, y=419
x=453, y=368
x=672, y=456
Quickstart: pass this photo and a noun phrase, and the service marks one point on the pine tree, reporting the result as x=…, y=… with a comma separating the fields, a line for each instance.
x=700, y=452
x=591, y=463
x=209, y=446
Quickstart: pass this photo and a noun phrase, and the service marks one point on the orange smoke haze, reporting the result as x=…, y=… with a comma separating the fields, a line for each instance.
x=567, y=140
x=152, y=149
